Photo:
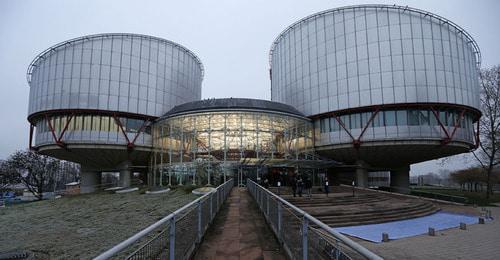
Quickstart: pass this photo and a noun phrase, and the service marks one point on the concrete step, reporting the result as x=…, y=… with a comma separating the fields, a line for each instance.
x=384, y=220
x=379, y=215
x=340, y=213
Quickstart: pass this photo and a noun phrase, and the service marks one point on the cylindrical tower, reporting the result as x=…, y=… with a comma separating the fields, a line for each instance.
x=93, y=98
x=387, y=86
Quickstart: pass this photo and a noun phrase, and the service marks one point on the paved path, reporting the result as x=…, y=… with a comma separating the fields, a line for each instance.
x=239, y=232
x=477, y=242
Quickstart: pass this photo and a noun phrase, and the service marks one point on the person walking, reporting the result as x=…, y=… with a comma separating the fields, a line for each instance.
x=294, y=186
x=327, y=188
x=300, y=185
x=308, y=187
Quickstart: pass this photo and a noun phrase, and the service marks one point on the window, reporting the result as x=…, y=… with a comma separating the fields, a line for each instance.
x=322, y=126
x=401, y=117
x=451, y=118
x=413, y=117
x=390, y=118
x=96, y=121
x=133, y=125
x=346, y=121
x=378, y=121
x=334, y=125
x=424, y=117
x=355, y=121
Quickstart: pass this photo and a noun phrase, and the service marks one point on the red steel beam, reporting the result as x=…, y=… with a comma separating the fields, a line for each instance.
x=374, y=114
x=65, y=128
x=343, y=126
x=131, y=144
x=436, y=115
x=52, y=130
x=120, y=125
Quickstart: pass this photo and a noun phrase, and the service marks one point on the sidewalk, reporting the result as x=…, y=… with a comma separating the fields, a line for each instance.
x=239, y=232
x=477, y=242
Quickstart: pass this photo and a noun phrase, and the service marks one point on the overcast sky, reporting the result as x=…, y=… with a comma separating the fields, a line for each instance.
x=232, y=39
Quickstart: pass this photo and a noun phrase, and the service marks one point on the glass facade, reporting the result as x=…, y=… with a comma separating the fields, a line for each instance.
x=401, y=123
x=118, y=72
x=92, y=128
x=370, y=55
x=214, y=142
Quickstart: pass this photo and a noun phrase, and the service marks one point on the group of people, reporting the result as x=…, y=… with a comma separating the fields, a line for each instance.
x=301, y=185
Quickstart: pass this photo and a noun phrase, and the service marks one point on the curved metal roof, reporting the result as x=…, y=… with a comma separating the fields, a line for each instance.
x=232, y=104
x=62, y=45
x=443, y=20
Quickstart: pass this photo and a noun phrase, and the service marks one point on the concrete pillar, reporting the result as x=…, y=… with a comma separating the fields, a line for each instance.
x=361, y=177
x=89, y=181
x=125, y=177
x=400, y=180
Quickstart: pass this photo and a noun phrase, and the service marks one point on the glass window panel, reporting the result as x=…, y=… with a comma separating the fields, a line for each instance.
x=105, y=123
x=451, y=117
x=413, y=117
x=378, y=120
x=334, y=125
x=87, y=123
x=401, y=117
x=322, y=125
x=432, y=119
x=96, y=122
x=390, y=118
x=356, y=121
x=346, y=121
x=442, y=117
x=424, y=117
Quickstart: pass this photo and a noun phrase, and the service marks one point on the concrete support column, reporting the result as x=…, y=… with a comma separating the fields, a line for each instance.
x=400, y=180
x=89, y=181
x=125, y=177
x=361, y=177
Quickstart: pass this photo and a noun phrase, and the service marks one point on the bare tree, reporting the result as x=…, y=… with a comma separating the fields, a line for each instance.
x=488, y=155
x=7, y=178
x=33, y=170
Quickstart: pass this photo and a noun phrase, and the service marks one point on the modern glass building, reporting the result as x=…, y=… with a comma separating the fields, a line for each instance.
x=213, y=138
x=93, y=99
x=386, y=86
x=374, y=87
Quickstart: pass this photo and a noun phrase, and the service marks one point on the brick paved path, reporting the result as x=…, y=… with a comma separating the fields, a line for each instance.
x=477, y=242
x=239, y=232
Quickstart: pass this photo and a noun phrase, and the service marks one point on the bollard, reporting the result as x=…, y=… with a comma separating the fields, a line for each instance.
x=385, y=237
x=481, y=220
x=432, y=232
x=463, y=226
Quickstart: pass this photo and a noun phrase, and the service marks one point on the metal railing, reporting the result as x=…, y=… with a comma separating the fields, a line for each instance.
x=177, y=235
x=302, y=235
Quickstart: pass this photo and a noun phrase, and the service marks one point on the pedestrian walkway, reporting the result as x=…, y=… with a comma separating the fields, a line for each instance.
x=239, y=232
x=477, y=242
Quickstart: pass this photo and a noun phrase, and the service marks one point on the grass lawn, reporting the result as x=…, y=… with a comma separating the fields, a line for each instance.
x=83, y=226
x=478, y=198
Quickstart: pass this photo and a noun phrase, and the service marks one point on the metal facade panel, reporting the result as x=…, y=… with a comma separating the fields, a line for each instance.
x=371, y=55
x=118, y=72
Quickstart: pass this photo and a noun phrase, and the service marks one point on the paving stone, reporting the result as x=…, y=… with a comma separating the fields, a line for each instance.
x=239, y=232
x=477, y=242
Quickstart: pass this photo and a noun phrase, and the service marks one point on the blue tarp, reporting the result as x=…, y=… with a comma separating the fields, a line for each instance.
x=409, y=227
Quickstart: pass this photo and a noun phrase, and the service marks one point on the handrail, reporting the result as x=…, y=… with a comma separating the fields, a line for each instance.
x=355, y=246
x=129, y=241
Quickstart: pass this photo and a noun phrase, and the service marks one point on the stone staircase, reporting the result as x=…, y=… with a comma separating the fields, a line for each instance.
x=366, y=207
